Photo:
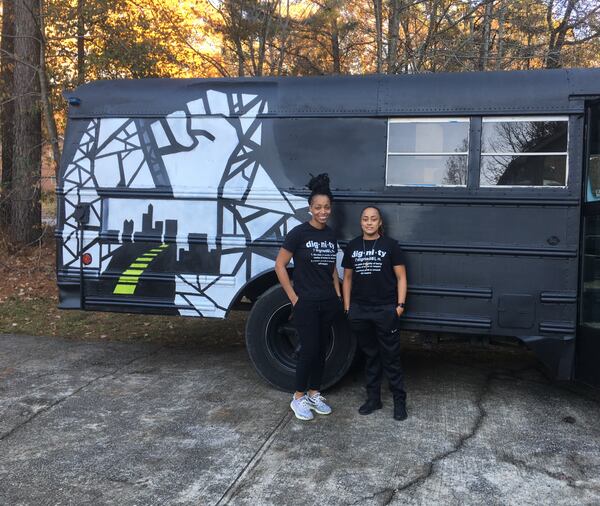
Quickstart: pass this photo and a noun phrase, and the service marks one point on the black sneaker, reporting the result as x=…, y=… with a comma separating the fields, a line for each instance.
x=400, y=411
x=371, y=405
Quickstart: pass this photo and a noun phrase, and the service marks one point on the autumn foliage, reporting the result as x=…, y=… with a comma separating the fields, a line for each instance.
x=76, y=41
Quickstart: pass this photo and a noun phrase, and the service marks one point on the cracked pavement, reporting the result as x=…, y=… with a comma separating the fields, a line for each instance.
x=122, y=423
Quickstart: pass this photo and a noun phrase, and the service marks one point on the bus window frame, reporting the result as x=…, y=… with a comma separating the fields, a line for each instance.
x=525, y=118
x=428, y=119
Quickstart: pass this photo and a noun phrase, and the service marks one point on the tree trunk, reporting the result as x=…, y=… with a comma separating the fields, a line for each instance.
x=551, y=56
x=499, y=65
x=432, y=28
x=240, y=58
x=335, y=46
x=393, y=36
x=46, y=101
x=484, y=48
x=80, y=41
x=266, y=33
x=251, y=56
x=284, y=33
x=25, y=202
x=7, y=108
x=377, y=6
x=530, y=46
x=233, y=16
x=558, y=34
x=408, y=52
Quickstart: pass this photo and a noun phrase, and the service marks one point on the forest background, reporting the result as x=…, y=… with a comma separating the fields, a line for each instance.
x=47, y=46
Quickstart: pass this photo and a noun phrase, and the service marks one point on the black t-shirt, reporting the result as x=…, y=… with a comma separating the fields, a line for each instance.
x=314, y=253
x=373, y=280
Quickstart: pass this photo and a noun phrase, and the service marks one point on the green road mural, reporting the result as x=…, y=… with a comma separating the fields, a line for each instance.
x=130, y=277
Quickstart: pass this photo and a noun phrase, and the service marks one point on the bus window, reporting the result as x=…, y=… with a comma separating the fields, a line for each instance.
x=427, y=152
x=593, y=179
x=524, y=151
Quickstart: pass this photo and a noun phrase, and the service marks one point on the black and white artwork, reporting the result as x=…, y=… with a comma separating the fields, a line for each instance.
x=181, y=207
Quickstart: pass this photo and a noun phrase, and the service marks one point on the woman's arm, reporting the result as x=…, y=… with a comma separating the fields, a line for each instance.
x=347, y=288
x=336, y=283
x=283, y=259
x=400, y=272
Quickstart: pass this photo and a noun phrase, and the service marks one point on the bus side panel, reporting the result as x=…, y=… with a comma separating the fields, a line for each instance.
x=497, y=261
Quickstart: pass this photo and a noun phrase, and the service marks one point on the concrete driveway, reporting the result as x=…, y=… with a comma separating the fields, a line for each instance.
x=116, y=423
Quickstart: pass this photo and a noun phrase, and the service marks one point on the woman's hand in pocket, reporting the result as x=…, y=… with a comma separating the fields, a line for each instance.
x=348, y=311
x=294, y=300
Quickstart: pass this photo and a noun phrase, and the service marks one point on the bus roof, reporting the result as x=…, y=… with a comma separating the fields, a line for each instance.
x=440, y=94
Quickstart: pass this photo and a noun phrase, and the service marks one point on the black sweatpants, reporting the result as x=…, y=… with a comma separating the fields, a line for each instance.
x=313, y=320
x=376, y=329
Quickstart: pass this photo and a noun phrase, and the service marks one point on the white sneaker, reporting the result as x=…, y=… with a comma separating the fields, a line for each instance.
x=301, y=408
x=316, y=402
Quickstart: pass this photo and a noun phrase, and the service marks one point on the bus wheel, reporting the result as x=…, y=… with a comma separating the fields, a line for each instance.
x=273, y=346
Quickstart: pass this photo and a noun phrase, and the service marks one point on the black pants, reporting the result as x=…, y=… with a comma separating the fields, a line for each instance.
x=376, y=329
x=313, y=320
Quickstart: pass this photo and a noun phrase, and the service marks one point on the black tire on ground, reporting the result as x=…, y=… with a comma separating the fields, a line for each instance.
x=272, y=343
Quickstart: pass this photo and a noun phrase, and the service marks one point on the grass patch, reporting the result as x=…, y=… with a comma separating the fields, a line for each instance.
x=41, y=317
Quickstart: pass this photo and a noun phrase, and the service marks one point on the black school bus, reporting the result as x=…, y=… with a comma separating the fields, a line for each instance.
x=174, y=197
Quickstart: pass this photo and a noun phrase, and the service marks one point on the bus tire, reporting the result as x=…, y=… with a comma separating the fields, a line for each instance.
x=273, y=347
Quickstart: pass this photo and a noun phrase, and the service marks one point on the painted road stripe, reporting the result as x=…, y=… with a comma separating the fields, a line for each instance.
x=132, y=272
x=124, y=289
x=129, y=279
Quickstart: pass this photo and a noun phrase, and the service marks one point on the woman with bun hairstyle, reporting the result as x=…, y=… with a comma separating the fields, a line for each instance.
x=374, y=295
x=315, y=295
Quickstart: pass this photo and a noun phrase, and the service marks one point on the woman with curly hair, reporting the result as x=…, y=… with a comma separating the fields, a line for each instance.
x=315, y=295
